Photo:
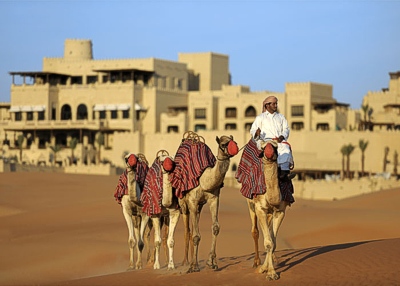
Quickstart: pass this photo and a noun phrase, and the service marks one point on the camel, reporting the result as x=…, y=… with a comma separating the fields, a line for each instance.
x=169, y=211
x=206, y=191
x=127, y=194
x=268, y=209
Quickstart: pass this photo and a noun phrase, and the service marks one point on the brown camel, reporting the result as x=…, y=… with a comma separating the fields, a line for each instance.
x=268, y=209
x=207, y=191
x=168, y=212
x=127, y=194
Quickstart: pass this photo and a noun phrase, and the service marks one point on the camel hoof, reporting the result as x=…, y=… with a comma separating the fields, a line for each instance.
x=193, y=270
x=271, y=277
x=171, y=266
x=156, y=266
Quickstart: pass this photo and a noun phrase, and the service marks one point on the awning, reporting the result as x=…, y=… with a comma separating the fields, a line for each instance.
x=111, y=107
x=99, y=107
x=39, y=108
x=123, y=106
x=15, y=109
x=138, y=107
x=26, y=108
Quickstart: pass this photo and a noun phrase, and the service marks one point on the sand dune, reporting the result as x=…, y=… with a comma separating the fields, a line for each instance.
x=58, y=229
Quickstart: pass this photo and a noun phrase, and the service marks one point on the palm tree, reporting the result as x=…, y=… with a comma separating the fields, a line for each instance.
x=343, y=151
x=395, y=162
x=72, y=145
x=55, y=149
x=346, y=151
x=363, y=145
x=100, y=142
x=385, y=160
x=20, y=141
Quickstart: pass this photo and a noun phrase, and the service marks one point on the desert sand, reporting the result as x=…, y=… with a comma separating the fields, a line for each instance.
x=59, y=229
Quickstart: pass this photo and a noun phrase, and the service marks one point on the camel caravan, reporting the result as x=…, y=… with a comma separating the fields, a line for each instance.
x=155, y=197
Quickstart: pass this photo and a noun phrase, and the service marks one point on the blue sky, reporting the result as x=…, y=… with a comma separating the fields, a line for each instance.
x=352, y=45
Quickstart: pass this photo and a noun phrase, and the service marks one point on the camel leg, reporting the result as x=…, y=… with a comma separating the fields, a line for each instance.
x=157, y=241
x=268, y=265
x=144, y=241
x=136, y=231
x=165, y=240
x=255, y=233
x=194, y=217
x=173, y=221
x=187, y=237
x=277, y=220
x=214, y=206
x=127, y=212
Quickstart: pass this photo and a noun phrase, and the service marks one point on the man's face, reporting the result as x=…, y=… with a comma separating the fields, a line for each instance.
x=272, y=105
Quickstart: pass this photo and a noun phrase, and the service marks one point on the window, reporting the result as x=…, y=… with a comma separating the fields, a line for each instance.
x=323, y=126
x=250, y=112
x=82, y=112
x=53, y=113
x=114, y=114
x=125, y=114
x=66, y=112
x=173, y=129
x=230, y=112
x=200, y=113
x=76, y=80
x=18, y=116
x=247, y=126
x=91, y=79
x=29, y=116
x=297, y=125
x=41, y=115
x=102, y=114
x=230, y=126
x=297, y=110
x=199, y=127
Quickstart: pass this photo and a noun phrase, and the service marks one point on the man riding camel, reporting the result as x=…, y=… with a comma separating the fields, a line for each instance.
x=272, y=125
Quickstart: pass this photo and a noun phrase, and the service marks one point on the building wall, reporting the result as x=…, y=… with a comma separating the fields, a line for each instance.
x=211, y=68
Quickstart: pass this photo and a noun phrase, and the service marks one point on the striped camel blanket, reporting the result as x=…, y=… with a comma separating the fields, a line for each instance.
x=191, y=159
x=122, y=186
x=251, y=176
x=153, y=187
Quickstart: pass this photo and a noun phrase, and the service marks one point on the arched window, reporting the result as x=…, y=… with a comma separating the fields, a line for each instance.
x=66, y=113
x=81, y=112
x=250, y=112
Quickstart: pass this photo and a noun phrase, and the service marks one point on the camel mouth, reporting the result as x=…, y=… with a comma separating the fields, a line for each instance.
x=168, y=164
x=233, y=148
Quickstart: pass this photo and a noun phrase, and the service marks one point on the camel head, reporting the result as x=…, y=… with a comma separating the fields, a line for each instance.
x=131, y=161
x=167, y=162
x=227, y=145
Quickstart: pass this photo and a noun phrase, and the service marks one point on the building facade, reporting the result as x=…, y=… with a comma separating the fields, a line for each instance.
x=116, y=106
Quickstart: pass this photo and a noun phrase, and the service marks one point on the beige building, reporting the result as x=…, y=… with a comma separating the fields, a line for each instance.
x=143, y=105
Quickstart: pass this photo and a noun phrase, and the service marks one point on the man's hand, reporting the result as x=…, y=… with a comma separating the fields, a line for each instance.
x=281, y=138
x=257, y=134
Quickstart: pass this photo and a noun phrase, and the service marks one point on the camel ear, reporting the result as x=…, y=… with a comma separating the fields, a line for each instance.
x=217, y=139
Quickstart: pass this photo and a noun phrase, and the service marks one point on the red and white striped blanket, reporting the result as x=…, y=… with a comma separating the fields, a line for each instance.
x=251, y=176
x=122, y=186
x=153, y=187
x=191, y=159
